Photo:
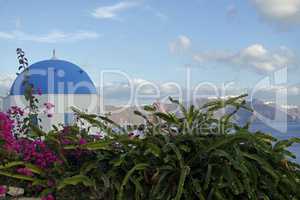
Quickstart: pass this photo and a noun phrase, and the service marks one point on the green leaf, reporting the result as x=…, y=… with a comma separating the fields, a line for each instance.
x=36, y=131
x=11, y=164
x=17, y=176
x=75, y=180
x=183, y=174
x=137, y=167
x=97, y=146
x=264, y=165
x=207, y=177
x=177, y=153
x=154, y=149
x=33, y=168
x=285, y=144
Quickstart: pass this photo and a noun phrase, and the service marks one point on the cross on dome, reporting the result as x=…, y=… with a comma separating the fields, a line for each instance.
x=53, y=55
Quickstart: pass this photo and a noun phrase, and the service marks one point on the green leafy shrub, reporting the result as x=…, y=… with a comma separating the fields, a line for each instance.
x=186, y=157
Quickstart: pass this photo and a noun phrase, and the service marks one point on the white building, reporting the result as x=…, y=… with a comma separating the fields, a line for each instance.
x=60, y=83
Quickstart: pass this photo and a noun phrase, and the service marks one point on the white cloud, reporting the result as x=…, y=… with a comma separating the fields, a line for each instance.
x=254, y=51
x=294, y=90
x=51, y=37
x=112, y=11
x=181, y=44
x=255, y=57
x=282, y=11
x=118, y=91
x=5, y=35
x=5, y=83
x=273, y=90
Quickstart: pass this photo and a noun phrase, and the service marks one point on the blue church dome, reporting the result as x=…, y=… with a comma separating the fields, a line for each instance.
x=55, y=77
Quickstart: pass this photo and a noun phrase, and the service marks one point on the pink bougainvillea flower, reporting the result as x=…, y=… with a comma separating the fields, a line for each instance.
x=65, y=141
x=49, y=197
x=10, y=142
x=82, y=141
x=15, y=110
x=3, y=190
x=48, y=105
x=131, y=135
x=50, y=183
x=47, y=111
x=39, y=91
x=99, y=135
x=66, y=130
x=38, y=153
x=25, y=171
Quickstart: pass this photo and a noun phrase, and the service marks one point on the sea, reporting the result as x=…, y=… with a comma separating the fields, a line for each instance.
x=293, y=130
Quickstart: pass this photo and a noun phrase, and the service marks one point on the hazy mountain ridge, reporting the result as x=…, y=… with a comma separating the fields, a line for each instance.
x=262, y=110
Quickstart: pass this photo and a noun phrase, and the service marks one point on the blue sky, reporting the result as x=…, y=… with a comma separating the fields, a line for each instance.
x=222, y=40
